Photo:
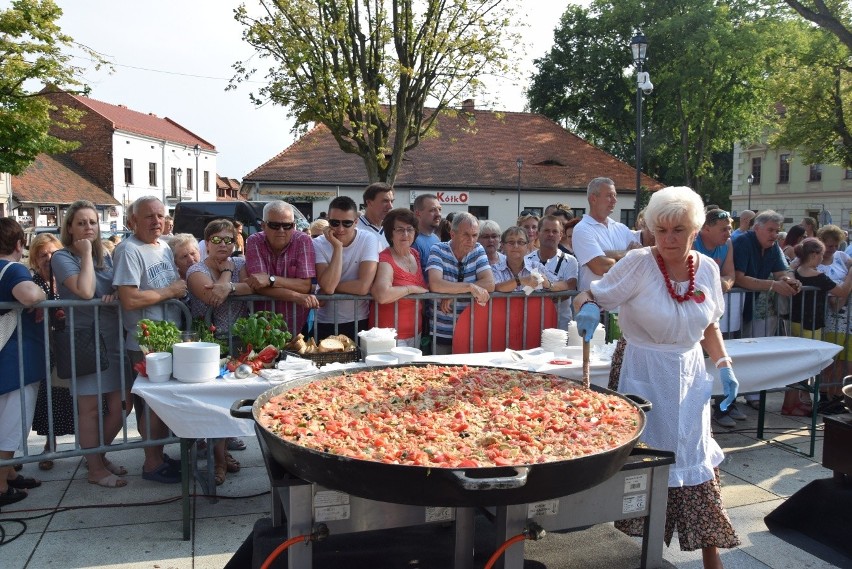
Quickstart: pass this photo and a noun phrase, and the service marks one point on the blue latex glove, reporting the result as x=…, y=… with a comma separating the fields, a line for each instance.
x=730, y=385
x=587, y=320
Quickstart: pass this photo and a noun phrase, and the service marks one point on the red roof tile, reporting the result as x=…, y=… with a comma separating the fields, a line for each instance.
x=56, y=179
x=128, y=120
x=479, y=153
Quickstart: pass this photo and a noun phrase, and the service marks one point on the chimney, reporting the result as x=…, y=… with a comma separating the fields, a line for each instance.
x=468, y=106
x=152, y=115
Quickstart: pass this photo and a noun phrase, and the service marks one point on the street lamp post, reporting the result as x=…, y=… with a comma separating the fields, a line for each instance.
x=179, y=174
x=639, y=47
x=520, y=164
x=197, y=150
x=750, y=181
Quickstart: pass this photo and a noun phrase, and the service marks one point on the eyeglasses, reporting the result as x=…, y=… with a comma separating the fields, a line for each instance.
x=276, y=226
x=527, y=213
x=717, y=215
x=216, y=240
x=347, y=223
x=461, y=271
x=404, y=230
x=516, y=243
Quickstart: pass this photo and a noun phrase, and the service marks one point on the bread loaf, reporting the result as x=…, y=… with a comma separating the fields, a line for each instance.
x=331, y=344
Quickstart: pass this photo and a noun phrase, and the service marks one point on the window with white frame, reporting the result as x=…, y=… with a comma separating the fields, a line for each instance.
x=152, y=174
x=128, y=171
x=784, y=169
x=206, y=180
x=756, y=169
x=815, y=173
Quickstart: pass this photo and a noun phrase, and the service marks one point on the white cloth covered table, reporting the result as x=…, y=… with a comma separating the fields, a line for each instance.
x=202, y=410
x=759, y=363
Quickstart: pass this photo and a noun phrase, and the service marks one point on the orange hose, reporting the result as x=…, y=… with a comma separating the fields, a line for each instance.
x=282, y=548
x=508, y=543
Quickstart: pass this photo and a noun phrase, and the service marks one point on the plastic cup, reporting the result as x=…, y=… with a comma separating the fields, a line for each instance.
x=158, y=366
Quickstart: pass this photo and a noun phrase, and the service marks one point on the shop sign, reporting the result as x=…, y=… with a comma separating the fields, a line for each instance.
x=445, y=198
x=47, y=209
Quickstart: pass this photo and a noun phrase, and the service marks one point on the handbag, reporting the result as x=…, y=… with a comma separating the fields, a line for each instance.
x=8, y=321
x=86, y=349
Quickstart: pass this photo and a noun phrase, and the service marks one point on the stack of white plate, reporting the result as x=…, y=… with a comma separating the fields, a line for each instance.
x=195, y=362
x=553, y=339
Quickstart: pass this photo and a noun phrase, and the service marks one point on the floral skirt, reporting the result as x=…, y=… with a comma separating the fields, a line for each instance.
x=697, y=514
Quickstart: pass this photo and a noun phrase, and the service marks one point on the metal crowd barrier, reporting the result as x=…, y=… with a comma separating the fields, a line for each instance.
x=778, y=323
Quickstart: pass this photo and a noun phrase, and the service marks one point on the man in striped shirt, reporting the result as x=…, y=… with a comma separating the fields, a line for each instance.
x=458, y=266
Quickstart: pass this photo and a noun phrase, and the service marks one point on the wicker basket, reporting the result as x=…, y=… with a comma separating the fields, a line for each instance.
x=322, y=358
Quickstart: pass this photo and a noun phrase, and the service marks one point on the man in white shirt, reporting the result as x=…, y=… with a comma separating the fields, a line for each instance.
x=600, y=241
x=347, y=259
x=559, y=267
x=378, y=201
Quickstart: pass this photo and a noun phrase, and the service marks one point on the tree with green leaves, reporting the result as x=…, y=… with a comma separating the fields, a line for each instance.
x=707, y=94
x=366, y=69
x=813, y=85
x=32, y=54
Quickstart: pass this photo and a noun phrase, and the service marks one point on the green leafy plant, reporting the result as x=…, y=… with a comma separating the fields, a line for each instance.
x=261, y=329
x=207, y=333
x=155, y=336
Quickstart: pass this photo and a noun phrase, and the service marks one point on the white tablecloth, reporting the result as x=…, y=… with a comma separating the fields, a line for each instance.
x=759, y=363
x=202, y=410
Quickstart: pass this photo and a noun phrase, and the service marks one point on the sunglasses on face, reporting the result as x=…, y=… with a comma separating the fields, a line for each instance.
x=461, y=271
x=347, y=223
x=216, y=240
x=276, y=226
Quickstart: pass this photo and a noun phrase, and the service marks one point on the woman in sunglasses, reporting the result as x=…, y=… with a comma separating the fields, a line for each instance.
x=210, y=283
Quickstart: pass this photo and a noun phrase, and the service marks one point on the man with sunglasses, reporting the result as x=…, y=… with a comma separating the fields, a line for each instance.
x=714, y=240
x=378, y=201
x=458, y=266
x=280, y=263
x=347, y=259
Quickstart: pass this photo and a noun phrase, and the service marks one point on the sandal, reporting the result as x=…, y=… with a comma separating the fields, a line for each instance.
x=11, y=496
x=231, y=463
x=23, y=483
x=233, y=443
x=800, y=409
x=45, y=465
x=166, y=473
x=117, y=470
x=110, y=481
x=219, y=473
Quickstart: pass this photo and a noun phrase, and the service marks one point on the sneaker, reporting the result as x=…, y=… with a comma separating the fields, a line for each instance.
x=723, y=419
x=735, y=413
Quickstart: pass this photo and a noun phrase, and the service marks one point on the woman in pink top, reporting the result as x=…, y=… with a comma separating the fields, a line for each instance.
x=399, y=275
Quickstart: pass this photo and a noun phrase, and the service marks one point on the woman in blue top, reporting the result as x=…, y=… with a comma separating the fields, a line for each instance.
x=16, y=285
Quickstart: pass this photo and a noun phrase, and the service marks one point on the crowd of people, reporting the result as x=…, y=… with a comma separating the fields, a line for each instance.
x=662, y=285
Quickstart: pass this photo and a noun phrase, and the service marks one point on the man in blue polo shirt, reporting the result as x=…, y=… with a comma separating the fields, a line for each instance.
x=760, y=266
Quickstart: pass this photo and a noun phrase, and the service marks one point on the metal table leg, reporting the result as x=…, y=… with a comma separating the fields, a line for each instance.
x=185, y=474
x=464, y=539
x=511, y=521
x=655, y=523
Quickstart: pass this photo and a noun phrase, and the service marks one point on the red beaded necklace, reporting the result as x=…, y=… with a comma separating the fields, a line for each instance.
x=690, y=292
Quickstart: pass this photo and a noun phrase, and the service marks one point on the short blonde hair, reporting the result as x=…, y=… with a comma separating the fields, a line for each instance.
x=675, y=203
x=38, y=243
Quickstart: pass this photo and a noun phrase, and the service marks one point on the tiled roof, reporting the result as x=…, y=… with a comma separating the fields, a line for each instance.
x=56, y=179
x=479, y=153
x=151, y=125
x=223, y=183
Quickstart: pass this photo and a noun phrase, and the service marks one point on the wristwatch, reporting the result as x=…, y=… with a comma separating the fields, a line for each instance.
x=272, y=281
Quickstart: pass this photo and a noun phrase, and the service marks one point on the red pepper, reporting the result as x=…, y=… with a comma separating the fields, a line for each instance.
x=141, y=369
x=212, y=329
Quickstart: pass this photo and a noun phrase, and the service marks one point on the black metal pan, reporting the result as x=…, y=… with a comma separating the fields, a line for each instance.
x=429, y=486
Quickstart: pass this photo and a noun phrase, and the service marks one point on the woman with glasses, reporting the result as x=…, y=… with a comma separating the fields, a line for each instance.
x=489, y=238
x=528, y=221
x=512, y=274
x=211, y=282
x=399, y=275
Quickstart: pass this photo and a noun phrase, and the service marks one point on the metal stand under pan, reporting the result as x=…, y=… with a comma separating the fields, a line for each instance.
x=639, y=489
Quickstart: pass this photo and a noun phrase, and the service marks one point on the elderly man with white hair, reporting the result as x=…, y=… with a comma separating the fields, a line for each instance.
x=458, y=266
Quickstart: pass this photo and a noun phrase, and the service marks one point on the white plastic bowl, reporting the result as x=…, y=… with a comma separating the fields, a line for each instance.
x=404, y=354
x=380, y=360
